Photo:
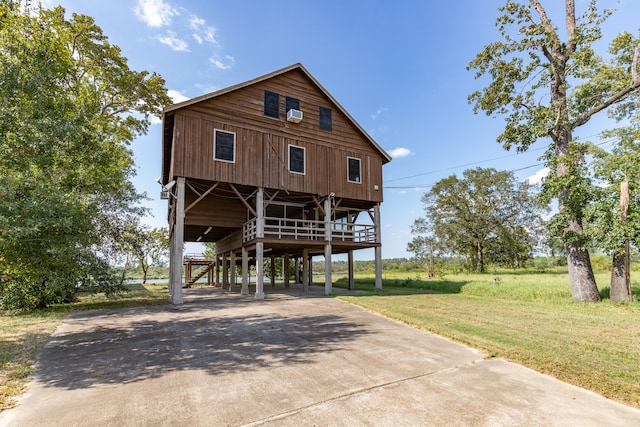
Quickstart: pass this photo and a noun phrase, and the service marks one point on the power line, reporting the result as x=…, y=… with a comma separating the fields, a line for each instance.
x=431, y=185
x=457, y=167
x=479, y=162
x=405, y=187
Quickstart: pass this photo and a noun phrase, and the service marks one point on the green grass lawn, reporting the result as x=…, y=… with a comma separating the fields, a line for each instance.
x=526, y=318
x=22, y=336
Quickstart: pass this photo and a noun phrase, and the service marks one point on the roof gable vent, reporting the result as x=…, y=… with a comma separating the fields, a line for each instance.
x=294, y=116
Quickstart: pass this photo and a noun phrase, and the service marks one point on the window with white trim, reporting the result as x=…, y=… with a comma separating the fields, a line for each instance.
x=353, y=170
x=296, y=159
x=224, y=146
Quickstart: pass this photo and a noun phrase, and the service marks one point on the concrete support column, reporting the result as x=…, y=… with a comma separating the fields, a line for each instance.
x=232, y=265
x=259, y=271
x=177, y=245
x=378, y=250
x=245, y=271
x=310, y=270
x=285, y=270
x=352, y=285
x=327, y=248
x=272, y=271
x=260, y=245
x=305, y=270
x=297, y=277
x=225, y=271
x=217, y=272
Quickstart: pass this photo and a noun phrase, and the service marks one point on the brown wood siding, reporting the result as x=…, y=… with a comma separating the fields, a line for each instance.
x=208, y=212
x=261, y=156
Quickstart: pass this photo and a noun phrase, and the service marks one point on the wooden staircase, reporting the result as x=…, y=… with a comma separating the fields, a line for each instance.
x=190, y=262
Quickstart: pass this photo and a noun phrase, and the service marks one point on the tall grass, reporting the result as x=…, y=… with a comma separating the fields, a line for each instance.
x=526, y=318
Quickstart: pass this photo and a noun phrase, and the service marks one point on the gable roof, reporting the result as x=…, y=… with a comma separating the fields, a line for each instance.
x=171, y=108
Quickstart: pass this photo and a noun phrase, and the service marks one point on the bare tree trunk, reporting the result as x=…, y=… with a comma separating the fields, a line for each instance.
x=620, y=283
x=620, y=275
x=145, y=268
x=479, y=259
x=583, y=282
x=581, y=278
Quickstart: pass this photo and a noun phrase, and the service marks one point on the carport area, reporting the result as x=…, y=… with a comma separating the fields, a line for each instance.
x=293, y=359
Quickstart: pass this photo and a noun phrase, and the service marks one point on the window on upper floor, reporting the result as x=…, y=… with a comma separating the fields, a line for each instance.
x=271, y=104
x=325, y=118
x=224, y=146
x=296, y=159
x=353, y=170
x=291, y=104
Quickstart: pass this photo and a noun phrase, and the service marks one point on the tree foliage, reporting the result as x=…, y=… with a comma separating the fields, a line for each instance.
x=69, y=107
x=145, y=245
x=486, y=214
x=546, y=83
x=209, y=250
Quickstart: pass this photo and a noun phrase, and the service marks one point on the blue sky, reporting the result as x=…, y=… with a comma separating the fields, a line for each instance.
x=398, y=67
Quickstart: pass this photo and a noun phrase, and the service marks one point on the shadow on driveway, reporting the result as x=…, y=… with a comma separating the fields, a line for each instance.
x=128, y=345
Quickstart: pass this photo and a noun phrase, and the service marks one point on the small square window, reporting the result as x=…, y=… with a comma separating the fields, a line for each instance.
x=271, y=104
x=353, y=170
x=325, y=118
x=224, y=146
x=296, y=159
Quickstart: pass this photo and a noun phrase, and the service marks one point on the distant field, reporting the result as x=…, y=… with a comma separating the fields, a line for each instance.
x=526, y=318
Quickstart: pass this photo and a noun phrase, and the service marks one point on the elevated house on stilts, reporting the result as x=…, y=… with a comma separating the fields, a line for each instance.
x=273, y=167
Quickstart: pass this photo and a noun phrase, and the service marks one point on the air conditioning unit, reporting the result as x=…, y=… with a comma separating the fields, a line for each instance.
x=294, y=116
x=164, y=195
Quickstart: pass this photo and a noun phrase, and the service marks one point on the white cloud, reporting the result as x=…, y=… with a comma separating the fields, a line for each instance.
x=155, y=13
x=196, y=22
x=208, y=35
x=174, y=42
x=538, y=176
x=230, y=62
x=176, y=96
x=396, y=153
x=378, y=112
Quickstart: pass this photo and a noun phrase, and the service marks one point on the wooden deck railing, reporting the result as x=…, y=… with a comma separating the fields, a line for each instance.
x=290, y=229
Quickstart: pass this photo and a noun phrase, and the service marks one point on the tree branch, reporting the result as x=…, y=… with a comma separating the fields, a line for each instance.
x=548, y=26
x=570, y=23
x=635, y=76
x=584, y=117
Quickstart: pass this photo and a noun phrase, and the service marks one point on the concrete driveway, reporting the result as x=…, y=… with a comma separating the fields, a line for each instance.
x=291, y=360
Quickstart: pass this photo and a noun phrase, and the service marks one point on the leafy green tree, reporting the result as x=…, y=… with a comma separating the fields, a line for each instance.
x=424, y=245
x=69, y=107
x=616, y=215
x=210, y=250
x=147, y=246
x=483, y=211
x=547, y=87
